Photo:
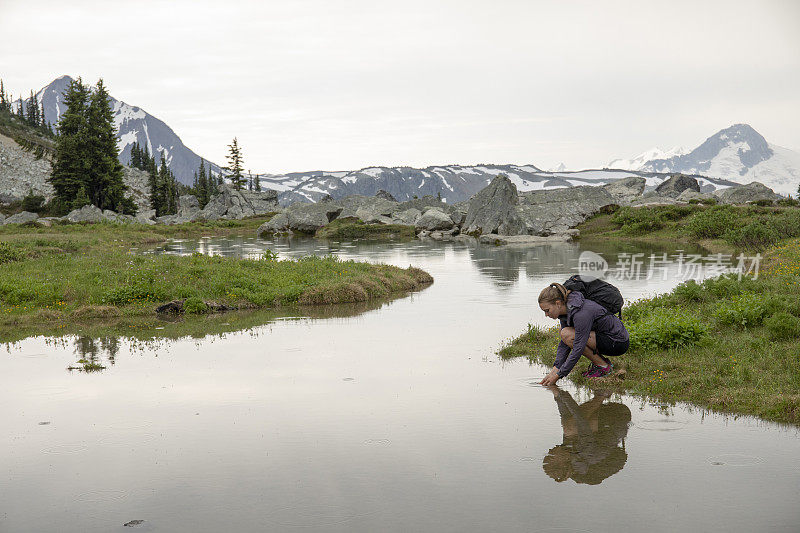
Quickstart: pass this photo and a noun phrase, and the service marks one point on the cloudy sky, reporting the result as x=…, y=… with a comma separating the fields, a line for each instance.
x=331, y=84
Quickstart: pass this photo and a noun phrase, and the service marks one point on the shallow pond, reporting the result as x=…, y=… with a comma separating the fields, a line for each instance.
x=394, y=416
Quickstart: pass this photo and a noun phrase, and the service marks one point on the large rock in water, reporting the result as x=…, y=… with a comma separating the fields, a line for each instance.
x=308, y=218
x=21, y=218
x=752, y=192
x=87, y=213
x=434, y=219
x=493, y=210
x=277, y=224
x=675, y=185
x=556, y=211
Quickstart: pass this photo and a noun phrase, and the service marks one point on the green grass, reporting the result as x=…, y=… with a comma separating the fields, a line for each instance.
x=719, y=227
x=75, y=273
x=724, y=344
x=351, y=228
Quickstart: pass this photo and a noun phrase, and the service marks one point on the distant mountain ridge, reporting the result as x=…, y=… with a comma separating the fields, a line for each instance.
x=737, y=153
x=133, y=125
x=455, y=183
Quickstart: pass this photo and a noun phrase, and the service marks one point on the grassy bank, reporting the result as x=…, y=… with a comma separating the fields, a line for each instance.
x=66, y=274
x=725, y=344
x=717, y=228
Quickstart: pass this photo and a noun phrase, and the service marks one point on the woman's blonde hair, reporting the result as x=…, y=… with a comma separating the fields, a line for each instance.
x=555, y=292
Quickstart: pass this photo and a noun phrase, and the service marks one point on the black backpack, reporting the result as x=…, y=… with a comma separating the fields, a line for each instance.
x=599, y=291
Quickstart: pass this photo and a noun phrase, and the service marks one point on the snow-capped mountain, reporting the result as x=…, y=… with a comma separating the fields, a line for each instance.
x=133, y=125
x=561, y=167
x=738, y=154
x=638, y=162
x=455, y=183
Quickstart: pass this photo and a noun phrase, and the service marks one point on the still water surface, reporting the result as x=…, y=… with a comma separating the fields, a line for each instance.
x=396, y=416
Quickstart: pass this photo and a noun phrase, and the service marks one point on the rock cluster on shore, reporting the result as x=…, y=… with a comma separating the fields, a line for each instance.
x=498, y=214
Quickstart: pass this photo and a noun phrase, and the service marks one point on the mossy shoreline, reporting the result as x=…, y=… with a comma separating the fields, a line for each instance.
x=76, y=273
x=727, y=344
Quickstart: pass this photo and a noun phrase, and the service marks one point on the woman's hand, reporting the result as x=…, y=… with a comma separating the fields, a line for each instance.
x=551, y=378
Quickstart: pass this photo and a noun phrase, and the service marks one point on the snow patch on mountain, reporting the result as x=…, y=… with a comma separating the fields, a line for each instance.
x=638, y=162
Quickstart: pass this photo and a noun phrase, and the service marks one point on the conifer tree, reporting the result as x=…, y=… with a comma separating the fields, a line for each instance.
x=234, y=168
x=152, y=183
x=4, y=105
x=258, y=183
x=104, y=180
x=71, y=160
x=32, y=111
x=202, y=185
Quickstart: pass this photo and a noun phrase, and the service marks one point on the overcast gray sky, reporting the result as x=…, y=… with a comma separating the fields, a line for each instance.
x=327, y=84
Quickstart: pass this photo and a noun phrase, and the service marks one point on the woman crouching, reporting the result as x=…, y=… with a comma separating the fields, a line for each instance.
x=587, y=329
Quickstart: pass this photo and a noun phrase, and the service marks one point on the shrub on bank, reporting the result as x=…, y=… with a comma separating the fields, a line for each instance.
x=9, y=253
x=665, y=328
x=713, y=222
x=745, y=310
x=783, y=326
x=755, y=235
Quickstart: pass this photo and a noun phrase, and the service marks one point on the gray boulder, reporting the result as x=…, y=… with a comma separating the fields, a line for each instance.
x=233, y=204
x=493, y=210
x=2, y=217
x=371, y=206
x=675, y=185
x=407, y=218
x=188, y=204
x=21, y=218
x=369, y=216
x=434, y=219
x=556, y=211
x=87, y=213
x=626, y=190
x=743, y=194
x=308, y=218
x=277, y=224
x=691, y=194
x=653, y=199
x=262, y=202
x=146, y=216
x=385, y=195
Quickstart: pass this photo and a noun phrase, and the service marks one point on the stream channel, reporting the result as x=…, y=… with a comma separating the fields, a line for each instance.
x=391, y=416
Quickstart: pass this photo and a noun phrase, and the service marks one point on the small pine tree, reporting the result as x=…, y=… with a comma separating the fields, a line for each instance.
x=4, y=105
x=258, y=183
x=234, y=168
x=20, y=111
x=152, y=184
x=80, y=200
x=202, y=185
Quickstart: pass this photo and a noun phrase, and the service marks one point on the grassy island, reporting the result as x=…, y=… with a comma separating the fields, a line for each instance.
x=66, y=273
x=351, y=228
x=727, y=344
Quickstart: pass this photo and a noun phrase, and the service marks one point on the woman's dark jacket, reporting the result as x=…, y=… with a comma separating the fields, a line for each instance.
x=585, y=316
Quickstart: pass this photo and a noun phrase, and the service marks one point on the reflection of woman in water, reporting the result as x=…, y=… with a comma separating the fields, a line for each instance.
x=593, y=432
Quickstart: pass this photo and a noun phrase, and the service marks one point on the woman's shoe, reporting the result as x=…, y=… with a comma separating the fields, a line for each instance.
x=599, y=371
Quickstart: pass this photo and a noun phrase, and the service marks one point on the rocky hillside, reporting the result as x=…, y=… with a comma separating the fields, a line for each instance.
x=21, y=172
